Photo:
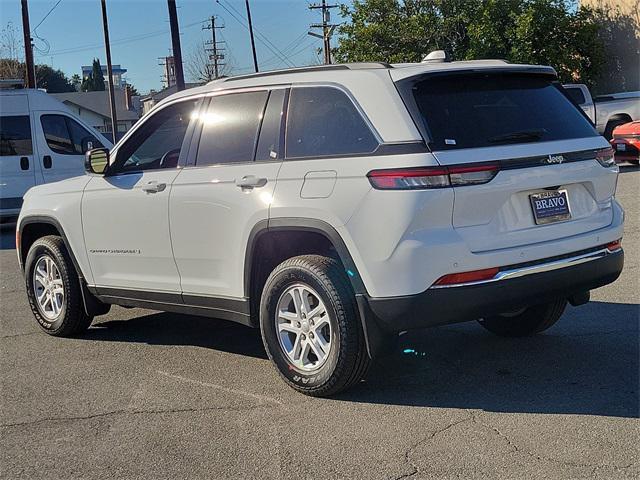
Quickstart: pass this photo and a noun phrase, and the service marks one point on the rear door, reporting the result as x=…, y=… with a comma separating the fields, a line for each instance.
x=17, y=169
x=544, y=147
x=62, y=143
x=225, y=190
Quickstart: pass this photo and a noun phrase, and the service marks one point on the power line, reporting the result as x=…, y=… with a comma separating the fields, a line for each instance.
x=262, y=38
x=48, y=13
x=120, y=41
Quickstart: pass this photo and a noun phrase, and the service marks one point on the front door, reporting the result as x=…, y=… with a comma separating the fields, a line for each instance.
x=62, y=143
x=125, y=214
x=216, y=201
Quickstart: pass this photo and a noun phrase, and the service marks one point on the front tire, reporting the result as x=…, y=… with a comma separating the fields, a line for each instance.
x=527, y=322
x=53, y=288
x=310, y=326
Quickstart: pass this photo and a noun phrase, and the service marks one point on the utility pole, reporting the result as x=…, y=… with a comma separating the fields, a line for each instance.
x=214, y=53
x=253, y=42
x=326, y=26
x=107, y=47
x=28, y=46
x=175, y=43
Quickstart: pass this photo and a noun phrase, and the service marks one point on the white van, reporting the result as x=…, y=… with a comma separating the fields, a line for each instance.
x=41, y=141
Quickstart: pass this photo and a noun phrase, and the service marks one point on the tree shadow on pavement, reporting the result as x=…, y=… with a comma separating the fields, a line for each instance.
x=586, y=364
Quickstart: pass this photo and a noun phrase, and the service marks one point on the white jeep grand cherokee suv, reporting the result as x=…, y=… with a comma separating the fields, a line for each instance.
x=333, y=207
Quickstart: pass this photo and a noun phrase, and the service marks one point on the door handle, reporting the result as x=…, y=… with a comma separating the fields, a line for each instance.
x=46, y=161
x=154, y=187
x=250, y=182
x=24, y=163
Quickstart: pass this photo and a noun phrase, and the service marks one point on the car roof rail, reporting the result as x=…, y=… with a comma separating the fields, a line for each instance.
x=316, y=68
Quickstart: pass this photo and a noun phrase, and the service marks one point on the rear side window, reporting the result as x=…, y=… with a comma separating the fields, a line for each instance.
x=468, y=111
x=323, y=121
x=15, y=136
x=66, y=136
x=230, y=128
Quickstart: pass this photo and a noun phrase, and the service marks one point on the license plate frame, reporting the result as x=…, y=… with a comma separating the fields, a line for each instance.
x=550, y=210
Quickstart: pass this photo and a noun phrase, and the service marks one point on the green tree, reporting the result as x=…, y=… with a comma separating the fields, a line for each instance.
x=53, y=81
x=553, y=32
x=94, y=82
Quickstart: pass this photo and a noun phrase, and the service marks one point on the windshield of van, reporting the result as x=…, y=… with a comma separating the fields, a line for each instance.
x=468, y=111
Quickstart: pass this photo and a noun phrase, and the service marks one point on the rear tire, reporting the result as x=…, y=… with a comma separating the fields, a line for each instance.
x=532, y=320
x=317, y=285
x=53, y=288
x=612, y=125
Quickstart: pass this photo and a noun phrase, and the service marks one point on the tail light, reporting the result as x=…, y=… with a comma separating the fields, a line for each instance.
x=605, y=157
x=614, y=246
x=421, y=178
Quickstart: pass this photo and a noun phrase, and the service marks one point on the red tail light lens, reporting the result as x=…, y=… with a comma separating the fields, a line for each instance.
x=432, y=177
x=473, y=174
x=409, y=178
x=467, y=277
x=613, y=246
x=605, y=157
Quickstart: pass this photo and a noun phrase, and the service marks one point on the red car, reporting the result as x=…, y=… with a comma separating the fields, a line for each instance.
x=626, y=142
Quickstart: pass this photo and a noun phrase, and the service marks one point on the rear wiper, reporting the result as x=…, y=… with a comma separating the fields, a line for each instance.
x=534, y=134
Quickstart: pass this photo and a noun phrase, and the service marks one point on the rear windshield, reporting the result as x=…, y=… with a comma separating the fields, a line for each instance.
x=467, y=111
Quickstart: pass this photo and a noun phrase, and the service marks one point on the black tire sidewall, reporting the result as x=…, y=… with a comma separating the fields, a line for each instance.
x=274, y=288
x=38, y=250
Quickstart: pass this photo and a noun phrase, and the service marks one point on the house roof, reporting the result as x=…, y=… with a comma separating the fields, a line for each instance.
x=98, y=102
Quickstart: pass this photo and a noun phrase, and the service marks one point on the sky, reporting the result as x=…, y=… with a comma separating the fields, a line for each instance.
x=71, y=35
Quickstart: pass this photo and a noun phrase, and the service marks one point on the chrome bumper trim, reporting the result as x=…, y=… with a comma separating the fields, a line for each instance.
x=533, y=269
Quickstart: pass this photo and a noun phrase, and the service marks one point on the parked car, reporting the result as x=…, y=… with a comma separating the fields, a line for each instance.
x=334, y=207
x=41, y=141
x=606, y=111
x=626, y=142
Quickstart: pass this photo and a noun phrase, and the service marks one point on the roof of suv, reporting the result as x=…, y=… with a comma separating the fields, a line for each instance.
x=378, y=99
x=334, y=72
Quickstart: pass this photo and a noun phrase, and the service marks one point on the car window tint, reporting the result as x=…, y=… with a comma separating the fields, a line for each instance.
x=470, y=111
x=230, y=127
x=82, y=139
x=15, y=136
x=157, y=143
x=323, y=121
x=576, y=95
x=269, y=141
x=57, y=134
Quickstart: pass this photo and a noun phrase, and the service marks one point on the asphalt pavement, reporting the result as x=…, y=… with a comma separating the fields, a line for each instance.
x=158, y=395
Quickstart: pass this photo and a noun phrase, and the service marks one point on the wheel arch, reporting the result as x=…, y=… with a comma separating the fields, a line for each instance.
x=33, y=227
x=376, y=341
x=299, y=225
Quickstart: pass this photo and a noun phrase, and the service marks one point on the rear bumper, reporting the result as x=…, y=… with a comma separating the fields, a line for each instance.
x=561, y=277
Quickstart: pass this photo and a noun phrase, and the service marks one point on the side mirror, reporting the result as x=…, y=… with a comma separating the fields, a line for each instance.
x=96, y=161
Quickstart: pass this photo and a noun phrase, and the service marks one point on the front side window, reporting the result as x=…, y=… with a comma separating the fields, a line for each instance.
x=66, y=136
x=323, y=121
x=230, y=128
x=15, y=136
x=157, y=143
